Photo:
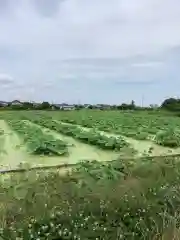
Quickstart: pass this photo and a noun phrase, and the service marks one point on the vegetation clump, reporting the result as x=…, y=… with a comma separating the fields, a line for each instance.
x=121, y=200
x=92, y=137
x=168, y=138
x=37, y=141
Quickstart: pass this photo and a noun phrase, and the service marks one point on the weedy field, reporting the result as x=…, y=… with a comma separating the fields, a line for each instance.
x=110, y=175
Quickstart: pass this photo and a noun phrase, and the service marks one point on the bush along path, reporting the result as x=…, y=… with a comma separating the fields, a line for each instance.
x=37, y=141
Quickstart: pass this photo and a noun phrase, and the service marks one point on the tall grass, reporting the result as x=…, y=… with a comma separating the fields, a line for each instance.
x=118, y=200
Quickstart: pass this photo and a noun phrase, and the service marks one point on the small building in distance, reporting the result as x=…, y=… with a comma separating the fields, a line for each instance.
x=63, y=106
x=16, y=103
x=69, y=107
x=102, y=106
x=36, y=105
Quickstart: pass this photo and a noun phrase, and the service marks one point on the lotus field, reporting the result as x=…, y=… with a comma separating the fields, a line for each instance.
x=110, y=175
x=36, y=140
x=163, y=130
x=108, y=133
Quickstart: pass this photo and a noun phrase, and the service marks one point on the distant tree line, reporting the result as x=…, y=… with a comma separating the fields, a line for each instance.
x=48, y=106
x=27, y=106
x=170, y=104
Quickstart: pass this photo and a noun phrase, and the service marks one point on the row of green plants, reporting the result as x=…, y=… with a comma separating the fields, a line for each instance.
x=92, y=137
x=116, y=121
x=37, y=141
x=120, y=200
x=162, y=131
x=168, y=138
x=133, y=128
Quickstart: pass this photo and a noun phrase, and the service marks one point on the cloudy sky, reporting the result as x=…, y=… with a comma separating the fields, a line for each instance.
x=89, y=51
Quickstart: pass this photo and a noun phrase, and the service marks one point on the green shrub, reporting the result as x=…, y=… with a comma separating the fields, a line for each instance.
x=168, y=138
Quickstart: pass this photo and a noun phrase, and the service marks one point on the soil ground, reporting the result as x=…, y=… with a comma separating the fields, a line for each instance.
x=15, y=153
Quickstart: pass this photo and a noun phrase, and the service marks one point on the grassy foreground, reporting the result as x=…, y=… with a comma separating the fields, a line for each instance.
x=118, y=200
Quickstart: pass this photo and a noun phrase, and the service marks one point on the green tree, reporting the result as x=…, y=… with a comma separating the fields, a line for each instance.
x=45, y=105
x=27, y=105
x=171, y=104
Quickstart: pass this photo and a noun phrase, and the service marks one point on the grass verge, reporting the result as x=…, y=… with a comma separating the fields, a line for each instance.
x=118, y=200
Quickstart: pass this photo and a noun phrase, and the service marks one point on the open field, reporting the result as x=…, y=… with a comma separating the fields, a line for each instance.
x=105, y=180
x=148, y=128
x=164, y=130
x=36, y=145
x=53, y=138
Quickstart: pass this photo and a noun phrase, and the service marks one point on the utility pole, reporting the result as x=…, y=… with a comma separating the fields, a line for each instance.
x=142, y=101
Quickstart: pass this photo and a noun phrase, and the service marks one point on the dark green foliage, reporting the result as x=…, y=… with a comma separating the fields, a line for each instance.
x=171, y=104
x=37, y=141
x=168, y=138
x=45, y=105
x=92, y=137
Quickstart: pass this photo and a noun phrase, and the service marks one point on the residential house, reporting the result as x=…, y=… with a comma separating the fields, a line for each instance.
x=69, y=107
x=16, y=103
x=102, y=106
x=64, y=106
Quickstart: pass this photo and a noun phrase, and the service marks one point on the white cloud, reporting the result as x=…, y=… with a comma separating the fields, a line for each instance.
x=147, y=64
x=101, y=38
x=85, y=28
x=5, y=79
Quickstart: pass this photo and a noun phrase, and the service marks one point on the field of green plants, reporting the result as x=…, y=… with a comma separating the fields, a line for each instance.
x=92, y=137
x=37, y=141
x=124, y=198
x=128, y=133
x=163, y=130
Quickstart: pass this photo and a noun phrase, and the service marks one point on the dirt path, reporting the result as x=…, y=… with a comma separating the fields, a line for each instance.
x=17, y=156
x=14, y=152
x=79, y=151
x=141, y=146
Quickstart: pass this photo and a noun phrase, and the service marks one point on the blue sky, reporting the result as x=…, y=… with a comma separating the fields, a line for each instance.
x=90, y=51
